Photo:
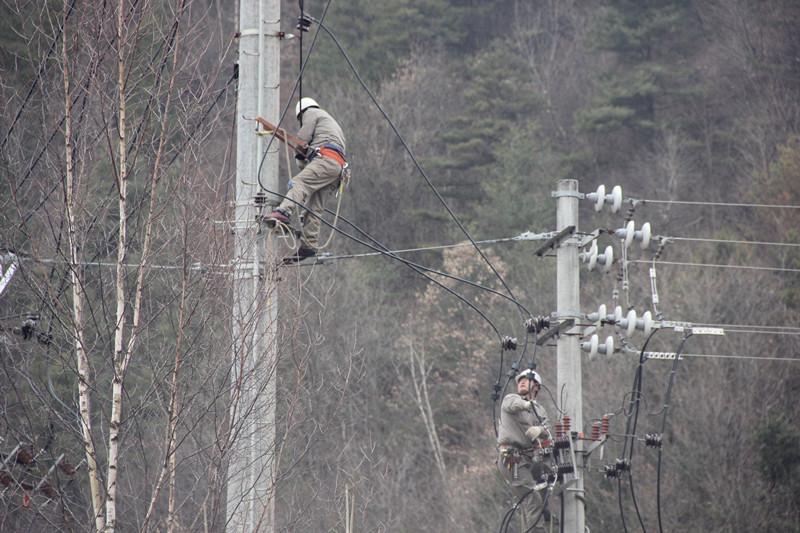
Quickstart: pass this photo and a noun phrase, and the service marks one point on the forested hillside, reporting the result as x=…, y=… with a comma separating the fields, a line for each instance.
x=384, y=379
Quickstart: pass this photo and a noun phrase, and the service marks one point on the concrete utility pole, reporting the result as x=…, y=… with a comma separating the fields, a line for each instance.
x=568, y=348
x=251, y=475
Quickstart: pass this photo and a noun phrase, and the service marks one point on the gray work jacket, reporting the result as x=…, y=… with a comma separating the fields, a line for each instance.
x=515, y=419
x=319, y=128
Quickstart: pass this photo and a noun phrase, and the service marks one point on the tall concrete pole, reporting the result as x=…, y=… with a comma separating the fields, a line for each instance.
x=568, y=350
x=251, y=470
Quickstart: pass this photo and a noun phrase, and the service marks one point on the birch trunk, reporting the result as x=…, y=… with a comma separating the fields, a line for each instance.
x=119, y=331
x=122, y=356
x=76, y=281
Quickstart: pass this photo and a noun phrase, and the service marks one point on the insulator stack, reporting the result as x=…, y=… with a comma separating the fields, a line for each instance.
x=623, y=465
x=653, y=440
x=565, y=468
x=561, y=443
x=559, y=430
x=595, y=430
x=604, y=425
x=566, y=422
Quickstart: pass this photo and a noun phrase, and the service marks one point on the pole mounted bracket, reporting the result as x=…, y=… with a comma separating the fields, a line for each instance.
x=555, y=241
x=556, y=330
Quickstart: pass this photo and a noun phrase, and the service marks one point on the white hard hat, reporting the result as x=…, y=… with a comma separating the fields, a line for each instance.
x=530, y=374
x=304, y=104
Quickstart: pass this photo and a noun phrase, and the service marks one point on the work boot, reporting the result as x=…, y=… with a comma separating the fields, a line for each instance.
x=302, y=253
x=279, y=215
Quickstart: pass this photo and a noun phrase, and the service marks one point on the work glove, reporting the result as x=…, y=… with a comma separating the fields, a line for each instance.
x=534, y=432
x=289, y=184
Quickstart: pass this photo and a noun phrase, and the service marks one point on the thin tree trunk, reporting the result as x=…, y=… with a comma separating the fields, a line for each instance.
x=116, y=386
x=76, y=280
x=123, y=358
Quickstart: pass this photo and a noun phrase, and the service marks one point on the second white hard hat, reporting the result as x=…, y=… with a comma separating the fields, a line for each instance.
x=530, y=374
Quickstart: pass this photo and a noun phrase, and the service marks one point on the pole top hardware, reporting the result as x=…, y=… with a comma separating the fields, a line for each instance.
x=600, y=198
x=555, y=240
x=556, y=330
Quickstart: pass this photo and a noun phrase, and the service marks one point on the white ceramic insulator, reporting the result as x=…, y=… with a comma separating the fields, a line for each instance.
x=608, y=347
x=644, y=236
x=591, y=345
x=630, y=233
x=618, y=314
x=601, y=313
x=630, y=322
x=600, y=197
x=645, y=323
x=615, y=198
x=607, y=258
x=593, y=255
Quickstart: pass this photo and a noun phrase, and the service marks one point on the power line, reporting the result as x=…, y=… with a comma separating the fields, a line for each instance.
x=746, y=357
x=416, y=163
x=711, y=265
x=396, y=257
x=522, y=237
x=729, y=241
x=794, y=328
x=642, y=201
x=762, y=332
x=671, y=355
x=431, y=270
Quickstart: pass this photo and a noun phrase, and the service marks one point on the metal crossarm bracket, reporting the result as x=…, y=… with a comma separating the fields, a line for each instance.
x=555, y=330
x=555, y=241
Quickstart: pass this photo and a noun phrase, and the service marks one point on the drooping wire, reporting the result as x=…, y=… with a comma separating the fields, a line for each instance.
x=395, y=257
x=385, y=250
x=630, y=429
x=418, y=249
x=515, y=366
x=299, y=65
x=289, y=98
x=510, y=513
x=414, y=159
x=664, y=424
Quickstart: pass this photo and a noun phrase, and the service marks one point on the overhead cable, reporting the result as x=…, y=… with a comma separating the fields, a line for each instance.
x=414, y=160
x=715, y=204
x=704, y=324
x=297, y=82
x=730, y=241
x=393, y=256
x=518, y=238
x=712, y=265
x=667, y=398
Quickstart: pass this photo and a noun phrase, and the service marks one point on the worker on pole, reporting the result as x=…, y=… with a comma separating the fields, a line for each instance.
x=323, y=167
x=523, y=425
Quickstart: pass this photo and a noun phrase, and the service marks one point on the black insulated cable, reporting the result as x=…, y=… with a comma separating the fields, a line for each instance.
x=664, y=425
x=289, y=99
x=393, y=256
x=414, y=159
x=630, y=429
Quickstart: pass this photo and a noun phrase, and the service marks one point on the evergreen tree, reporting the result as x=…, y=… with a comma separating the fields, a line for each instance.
x=651, y=43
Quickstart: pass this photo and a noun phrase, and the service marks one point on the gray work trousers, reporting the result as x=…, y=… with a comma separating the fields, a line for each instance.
x=318, y=178
x=527, y=473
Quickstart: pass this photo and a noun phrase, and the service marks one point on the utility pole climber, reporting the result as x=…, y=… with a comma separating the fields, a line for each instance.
x=568, y=351
x=251, y=468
